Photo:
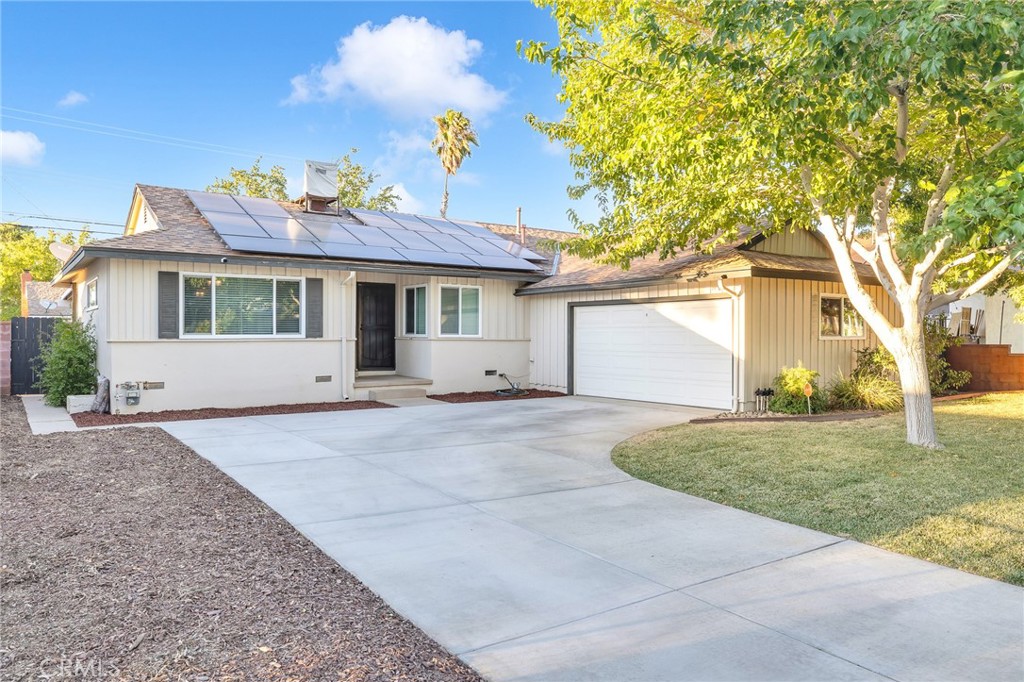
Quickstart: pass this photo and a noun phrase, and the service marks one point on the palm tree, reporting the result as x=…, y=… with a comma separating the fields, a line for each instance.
x=451, y=143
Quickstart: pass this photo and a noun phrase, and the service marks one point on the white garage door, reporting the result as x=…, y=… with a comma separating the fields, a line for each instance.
x=678, y=352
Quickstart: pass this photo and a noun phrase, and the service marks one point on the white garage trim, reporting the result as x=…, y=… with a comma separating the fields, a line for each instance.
x=678, y=351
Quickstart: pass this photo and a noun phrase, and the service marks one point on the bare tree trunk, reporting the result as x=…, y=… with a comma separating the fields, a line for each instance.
x=911, y=360
x=444, y=198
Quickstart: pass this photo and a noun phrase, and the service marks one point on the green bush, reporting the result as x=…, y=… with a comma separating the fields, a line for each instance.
x=866, y=391
x=879, y=362
x=789, y=391
x=67, y=365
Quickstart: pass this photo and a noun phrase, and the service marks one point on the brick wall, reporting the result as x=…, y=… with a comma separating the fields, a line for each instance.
x=5, y=358
x=992, y=367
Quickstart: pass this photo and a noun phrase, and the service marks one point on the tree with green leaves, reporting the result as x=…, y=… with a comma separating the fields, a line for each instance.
x=22, y=249
x=452, y=143
x=894, y=129
x=354, y=183
x=253, y=182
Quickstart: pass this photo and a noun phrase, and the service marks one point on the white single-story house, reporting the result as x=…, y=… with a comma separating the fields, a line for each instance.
x=217, y=301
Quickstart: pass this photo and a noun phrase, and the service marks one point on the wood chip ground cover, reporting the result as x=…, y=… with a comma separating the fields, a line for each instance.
x=127, y=556
x=488, y=396
x=94, y=419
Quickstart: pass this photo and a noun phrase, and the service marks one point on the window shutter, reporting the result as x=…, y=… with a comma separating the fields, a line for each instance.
x=167, y=305
x=314, y=308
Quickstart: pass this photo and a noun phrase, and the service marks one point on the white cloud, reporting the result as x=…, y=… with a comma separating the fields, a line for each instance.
x=406, y=155
x=72, y=99
x=408, y=66
x=20, y=148
x=407, y=203
x=553, y=147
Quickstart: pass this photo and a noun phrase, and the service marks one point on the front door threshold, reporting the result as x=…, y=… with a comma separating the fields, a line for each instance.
x=377, y=381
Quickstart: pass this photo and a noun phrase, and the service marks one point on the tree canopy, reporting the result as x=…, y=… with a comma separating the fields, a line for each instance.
x=253, y=182
x=691, y=119
x=22, y=249
x=894, y=129
x=354, y=185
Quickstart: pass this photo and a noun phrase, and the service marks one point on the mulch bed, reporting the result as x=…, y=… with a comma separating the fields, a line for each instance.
x=127, y=556
x=488, y=396
x=94, y=419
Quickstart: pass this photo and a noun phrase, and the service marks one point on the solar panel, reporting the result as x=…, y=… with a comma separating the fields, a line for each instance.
x=503, y=263
x=256, y=206
x=475, y=230
x=330, y=232
x=371, y=236
x=436, y=257
x=410, y=222
x=449, y=243
x=257, y=225
x=239, y=224
x=361, y=252
x=412, y=240
x=287, y=247
x=285, y=228
x=373, y=218
x=483, y=246
x=517, y=250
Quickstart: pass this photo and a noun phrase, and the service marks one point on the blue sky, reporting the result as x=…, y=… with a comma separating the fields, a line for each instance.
x=99, y=96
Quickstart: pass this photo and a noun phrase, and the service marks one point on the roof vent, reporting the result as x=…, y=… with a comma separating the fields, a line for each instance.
x=320, y=186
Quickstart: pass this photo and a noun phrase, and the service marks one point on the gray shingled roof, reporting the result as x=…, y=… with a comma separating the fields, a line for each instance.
x=183, y=230
x=45, y=300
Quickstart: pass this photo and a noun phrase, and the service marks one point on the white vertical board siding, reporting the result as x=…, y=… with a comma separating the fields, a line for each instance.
x=673, y=352
x=797, y=243
x=503, y=316
x=549, y=322
x=782, y=317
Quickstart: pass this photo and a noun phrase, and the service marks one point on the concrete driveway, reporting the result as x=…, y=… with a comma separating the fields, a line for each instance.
x=504, y=532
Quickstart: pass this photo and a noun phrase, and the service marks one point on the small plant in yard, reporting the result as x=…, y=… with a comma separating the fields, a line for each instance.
x=865, y=391
x=789, y=391
x=878, y=362
x=68, y=363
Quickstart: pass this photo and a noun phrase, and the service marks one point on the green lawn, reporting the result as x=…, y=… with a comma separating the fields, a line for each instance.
x=962, y=506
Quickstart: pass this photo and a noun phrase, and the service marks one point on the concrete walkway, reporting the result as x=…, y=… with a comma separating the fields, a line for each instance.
x=503, y=531
x=44, y=419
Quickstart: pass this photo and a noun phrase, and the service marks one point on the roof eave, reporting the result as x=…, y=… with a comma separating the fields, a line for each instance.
x=326, y=264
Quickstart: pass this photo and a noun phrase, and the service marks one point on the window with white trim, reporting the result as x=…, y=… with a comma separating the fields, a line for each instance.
x=241, y=306
x=416, y=310
x=92, y=300
x=460, y=311
x=838, y=319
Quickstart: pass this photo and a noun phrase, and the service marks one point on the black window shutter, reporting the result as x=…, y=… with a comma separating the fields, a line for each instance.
x=167, y=305
x=314, y=308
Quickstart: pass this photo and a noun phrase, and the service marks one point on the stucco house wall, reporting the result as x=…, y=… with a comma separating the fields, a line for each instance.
x=240, y=372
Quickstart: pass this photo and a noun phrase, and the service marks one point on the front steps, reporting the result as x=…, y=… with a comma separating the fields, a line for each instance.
x=385, y=387
x=395, y=392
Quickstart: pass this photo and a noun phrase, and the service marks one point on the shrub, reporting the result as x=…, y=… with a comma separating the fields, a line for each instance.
x=866, y=391
x=879, y=362
x=68, y=363
x=789, y=391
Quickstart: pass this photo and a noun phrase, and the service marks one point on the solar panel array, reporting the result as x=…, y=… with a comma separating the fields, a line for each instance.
x=263, y=226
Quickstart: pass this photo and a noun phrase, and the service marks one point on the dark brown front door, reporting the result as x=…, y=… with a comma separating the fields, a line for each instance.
x=376, y=314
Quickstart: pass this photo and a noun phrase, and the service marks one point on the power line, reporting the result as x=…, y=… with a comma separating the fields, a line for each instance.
x=61, y=220
x=64, y=229
x=138, y=135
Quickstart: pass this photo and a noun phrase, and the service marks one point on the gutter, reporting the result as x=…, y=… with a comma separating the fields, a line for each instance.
x=99, y=252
